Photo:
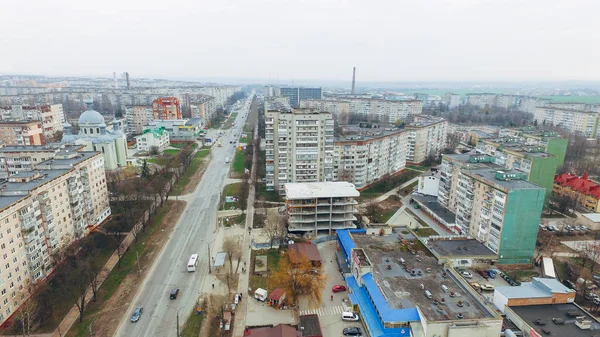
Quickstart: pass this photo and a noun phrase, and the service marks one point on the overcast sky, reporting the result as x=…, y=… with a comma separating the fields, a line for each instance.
x=392, y=40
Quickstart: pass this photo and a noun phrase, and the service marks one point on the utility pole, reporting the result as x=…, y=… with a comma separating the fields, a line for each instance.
x=177, y=313
x=209, y=269
x=137, y=255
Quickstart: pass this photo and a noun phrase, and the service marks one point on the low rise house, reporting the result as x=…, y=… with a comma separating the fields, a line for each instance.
x=308, y=251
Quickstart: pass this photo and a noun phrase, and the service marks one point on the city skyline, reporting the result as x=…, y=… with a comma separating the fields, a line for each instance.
x=439, y=41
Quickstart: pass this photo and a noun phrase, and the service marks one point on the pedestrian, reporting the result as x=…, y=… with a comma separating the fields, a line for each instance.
x=332, y=297
x=213, y=286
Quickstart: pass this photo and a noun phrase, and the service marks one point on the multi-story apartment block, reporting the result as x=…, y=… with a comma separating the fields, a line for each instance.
x=583, y=191
x=426, y=135
x=538, y=166
x=43, y=211
x=577, y=121
x=481, y=99
x=338, y=108
x=16, y=159
x=297, y=94
x=497, y=206
x=22, y=133
x=320, y=207
x=157, y=137
x=363, y=159
x=452, y=100
x=299, y=145
x=166, y=108
x=51, y=116
x=386, y=110
x=572, y=106
x=522, y=103
x=203, y=107
x=138, y=117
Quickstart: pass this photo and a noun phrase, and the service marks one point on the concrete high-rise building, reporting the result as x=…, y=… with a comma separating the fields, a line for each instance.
x=299, y=145
x=452, y=100
x=44, y=210
x=22, y=133
x=339, y=108
x=580, y=122
x=386, y=110
x=51, y=116
x=297, y=94
x=166, y=108
x=203, y=107
x=138, y=118
x=499, y=207
x=18, y=159
x=426, y=135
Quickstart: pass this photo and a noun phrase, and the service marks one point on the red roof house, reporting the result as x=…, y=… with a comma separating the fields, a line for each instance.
x=297, y=251
x=280, y=330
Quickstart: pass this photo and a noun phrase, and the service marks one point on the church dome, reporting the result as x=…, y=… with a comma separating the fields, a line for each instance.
x=90, y=117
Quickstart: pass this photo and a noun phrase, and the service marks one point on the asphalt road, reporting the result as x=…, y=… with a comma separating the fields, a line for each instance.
x=191, y=234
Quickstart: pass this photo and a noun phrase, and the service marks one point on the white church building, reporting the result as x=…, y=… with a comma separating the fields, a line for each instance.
x=95, y=136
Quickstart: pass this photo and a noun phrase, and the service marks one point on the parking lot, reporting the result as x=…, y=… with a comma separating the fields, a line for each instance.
x=330, y=312
x=496, y=282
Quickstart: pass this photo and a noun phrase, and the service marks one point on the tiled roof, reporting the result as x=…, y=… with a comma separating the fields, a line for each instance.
x=579, y=184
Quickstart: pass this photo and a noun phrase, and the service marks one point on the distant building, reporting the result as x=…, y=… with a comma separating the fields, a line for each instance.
x=320, y=207
x=386, y=110
x=426, y=135
x=51, y=116
x=183, y=130
x=22, y=133
x=95, y=136
x=157, y=137
x=496, y=206
x=167, y=108
x=582, y=190
x=298, y=94
x=580, y=122
x=204, y=107
x=138, y=118
x=299, y=145
x=452, y=101
x=338, y=108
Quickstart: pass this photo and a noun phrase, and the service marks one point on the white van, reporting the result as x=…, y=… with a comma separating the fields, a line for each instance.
x=428, y=294
x=349, y=316
x=227, y=160
x=444, y=288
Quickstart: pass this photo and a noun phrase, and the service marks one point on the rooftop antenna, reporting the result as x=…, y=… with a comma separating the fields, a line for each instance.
x=353, y=81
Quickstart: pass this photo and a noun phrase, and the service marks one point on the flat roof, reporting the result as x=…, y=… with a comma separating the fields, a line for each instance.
x=320, y=190
x=401, y=290
x=434, y=206
x=490, y=175
x=11, y=192
x=67, y=161
x=310, y=326
x=594, y=217
x=39, y=148
x=461, y=247
x=530, y=313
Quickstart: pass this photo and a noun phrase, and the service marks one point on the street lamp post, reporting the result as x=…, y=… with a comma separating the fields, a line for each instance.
x=177, y=316
x=208, y=246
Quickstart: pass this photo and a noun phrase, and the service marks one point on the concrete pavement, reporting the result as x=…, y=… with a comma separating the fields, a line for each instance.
x=192, y=233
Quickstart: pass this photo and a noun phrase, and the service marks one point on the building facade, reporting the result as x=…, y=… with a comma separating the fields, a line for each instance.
x=204, y=107
x=299, y=146
x=183, y=130
x=138, y=118
x=580, y=122
x=95, y=136
x=386, y=110
x=426, y=135
x=18, y=159
x=43, y=211
x=51, y=116
x=583, y=191
x=364, y=159
x=338, y=108
x=496, y=206
x=298, y=94
x=320, y=207
x=166, y=108
x=157, y=137
x=452, y=101
x=22, y=133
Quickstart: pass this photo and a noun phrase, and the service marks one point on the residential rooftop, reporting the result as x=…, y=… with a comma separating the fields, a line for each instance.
x=66, y=160
x=461, y=247
x=402, y=290
x=41, y=148
x=365, y=134
x=335, y=189
x=433, y=205
x=19, y=185
x=515, y=181
x=530, y=313
x=538, y=288
x=568, y=110
x=272, y=105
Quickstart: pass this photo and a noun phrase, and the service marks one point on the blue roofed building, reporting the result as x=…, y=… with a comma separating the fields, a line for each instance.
x=400, y=290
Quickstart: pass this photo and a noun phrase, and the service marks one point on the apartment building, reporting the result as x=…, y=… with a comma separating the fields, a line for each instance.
x=320, y=207
x=426, y=135
x=538, y=166
x=51, y=116
x=44, y=210
x=451, y=100
x=183, y=130
x=481, y=100
x=573, y=106
x=156, y=137
x=386, y=110
x=299, y=145
x=582, y=190
x=498, y=207
x=138, y=117
x=551, y=141
x=22, y=133
x=507, y=101
x=339, y=108
x=364, y=158
x=577, y=121
x=15, y=159
x=204, y=107
x=298, y=94
x=166, y=108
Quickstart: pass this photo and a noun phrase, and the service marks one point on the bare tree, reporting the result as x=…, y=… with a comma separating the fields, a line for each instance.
x=232, y=247
x=275, y=227
x=28, y=312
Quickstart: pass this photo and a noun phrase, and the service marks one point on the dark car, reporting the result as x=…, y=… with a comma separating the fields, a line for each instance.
x=173, y=294
x=137, y=314
x=338, y=288
x=484, y=274
x=352, y=331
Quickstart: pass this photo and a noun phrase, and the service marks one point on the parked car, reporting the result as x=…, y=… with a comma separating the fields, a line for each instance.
x=137, y=313
x=475, y=285
x=466, y=274
x=338, y=288
x=487, y=287
x=539, y=321
x=492, y=274
x=352, y=331
x=484, y=274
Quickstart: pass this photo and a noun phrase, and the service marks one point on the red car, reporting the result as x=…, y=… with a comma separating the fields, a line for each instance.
x=338, y=289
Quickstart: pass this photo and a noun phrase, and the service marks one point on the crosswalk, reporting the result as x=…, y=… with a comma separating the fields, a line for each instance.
x=336, y=310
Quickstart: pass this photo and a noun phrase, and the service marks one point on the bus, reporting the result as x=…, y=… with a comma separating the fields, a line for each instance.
x=192, y=263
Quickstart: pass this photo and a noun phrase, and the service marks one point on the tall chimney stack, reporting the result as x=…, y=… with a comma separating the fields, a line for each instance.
x=353, y=80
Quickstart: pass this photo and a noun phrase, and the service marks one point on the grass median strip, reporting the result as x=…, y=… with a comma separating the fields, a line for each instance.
x=191, y=170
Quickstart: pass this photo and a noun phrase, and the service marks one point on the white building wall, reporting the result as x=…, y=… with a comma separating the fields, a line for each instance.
x=429, y=185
